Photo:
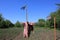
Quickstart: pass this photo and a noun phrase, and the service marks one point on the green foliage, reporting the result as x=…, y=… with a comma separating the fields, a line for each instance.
x=5, y=23
x=18, y=24
x=40, y=23
x=1, y=18
x=47, y=23
x=2, y=22
x=9, y=23
x=57, y=15
x=36, y=24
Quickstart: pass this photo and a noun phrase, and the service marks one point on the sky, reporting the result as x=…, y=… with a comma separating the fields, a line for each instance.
x=36, y=9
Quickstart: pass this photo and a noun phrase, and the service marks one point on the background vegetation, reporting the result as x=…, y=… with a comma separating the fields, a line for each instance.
x=49, y=22
x=42, y=31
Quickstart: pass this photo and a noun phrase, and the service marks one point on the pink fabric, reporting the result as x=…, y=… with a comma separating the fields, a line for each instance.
x=25, y=33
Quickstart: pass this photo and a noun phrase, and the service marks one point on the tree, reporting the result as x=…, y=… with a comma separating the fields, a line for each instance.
x=41, y=22
x=58, y=5
x=17, y=24
x=1, y=18
x=57, y=15
x=2, y=23
x=9, y=23
x=36, y=24
x=5, y=23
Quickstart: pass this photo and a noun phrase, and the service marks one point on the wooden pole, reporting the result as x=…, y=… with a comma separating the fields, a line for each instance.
x=27, y=21
x=26, y=17
x=26, y=14
x=54, y=28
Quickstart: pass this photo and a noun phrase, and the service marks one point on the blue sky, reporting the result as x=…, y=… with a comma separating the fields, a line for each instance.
x=37, y=9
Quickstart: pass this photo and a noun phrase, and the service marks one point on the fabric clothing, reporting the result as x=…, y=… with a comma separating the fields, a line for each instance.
x=25, y=32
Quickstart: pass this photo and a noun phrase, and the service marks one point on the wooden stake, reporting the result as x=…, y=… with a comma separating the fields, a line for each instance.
x=27, y=19
x=54, y=28
x=26, y=15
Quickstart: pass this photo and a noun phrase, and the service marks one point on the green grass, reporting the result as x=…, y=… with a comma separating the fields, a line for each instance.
x=40, y=33
x=9, y=33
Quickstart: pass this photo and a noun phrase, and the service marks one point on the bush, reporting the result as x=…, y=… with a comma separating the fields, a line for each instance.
x=18, y=24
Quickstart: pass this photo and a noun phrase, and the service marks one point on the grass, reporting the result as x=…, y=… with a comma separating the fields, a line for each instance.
x=17, y=34
x=9, y=33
